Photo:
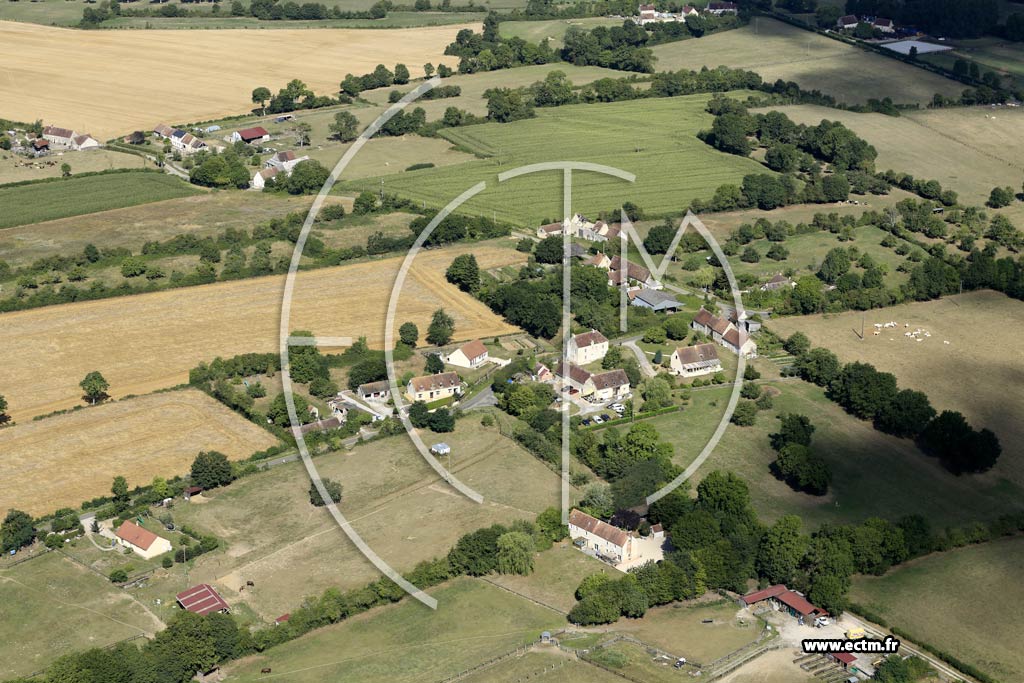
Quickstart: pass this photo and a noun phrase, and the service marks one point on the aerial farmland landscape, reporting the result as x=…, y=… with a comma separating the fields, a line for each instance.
x=511, y=340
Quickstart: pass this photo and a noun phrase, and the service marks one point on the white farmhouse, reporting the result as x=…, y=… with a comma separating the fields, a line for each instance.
x=588, y=347
x=470, y=355
x=142, y=542
x=601, y=538
x=693, y=361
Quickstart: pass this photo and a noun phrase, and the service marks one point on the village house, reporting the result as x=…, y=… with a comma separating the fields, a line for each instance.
x=40, y=147
x=250, y=135
x=430, y=388
x=202, y=599
x=141, y=541
x=782, y=599
x=847, y=23
x=693, y=361
x=374, y=391
x=599, y=260
x=724, y=332
x=470, y=355
x=186, y=143
x=163, y=131
x=779, y=281
x=542, y=373
x=884, y=25
x=600, y=538
x=633, y=274
x=81, y=143
x=578, y=226
x=612, y=385
x=59, y=137
x=720, y=8
x=260, y=178
x=549, y=230
x=602, y=387
x=587, y=348
x=654, y=300
x=284, y=161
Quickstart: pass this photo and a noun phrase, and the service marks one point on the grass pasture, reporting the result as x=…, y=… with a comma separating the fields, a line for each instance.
x=962, y=601
x=990, y=364
x=147, y=342
x=552, y=30
x=556, y=574
x=408, y=641
x=274, y=537
x=50, y=606
x=967, y=149
x=544, y=665
x=15, y=169
x=63, y=460
x=869, y=469
x=680, y=628
x=122, y=95
x=670, y=171
x=777, y=50
x=27, y=204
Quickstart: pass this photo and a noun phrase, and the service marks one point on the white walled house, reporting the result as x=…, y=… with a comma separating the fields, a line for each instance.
x=591, y=534
x=141, y=541
x=284, y=161
x=59, y=137
x=693, y=361
x=430, y=388
x=609, y=386
x=259, y=180
x=470, y=355
x=588, y=347
x=84, y=142
x=725, y=333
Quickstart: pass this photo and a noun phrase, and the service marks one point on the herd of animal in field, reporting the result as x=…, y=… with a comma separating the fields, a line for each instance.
x=917, y=335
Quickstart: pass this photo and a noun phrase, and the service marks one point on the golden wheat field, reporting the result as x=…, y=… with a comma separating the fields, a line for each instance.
x=110, y=83
x=150, y=341
x=63, y=460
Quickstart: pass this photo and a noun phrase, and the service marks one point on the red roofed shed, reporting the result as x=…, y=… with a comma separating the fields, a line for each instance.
x=202, y=599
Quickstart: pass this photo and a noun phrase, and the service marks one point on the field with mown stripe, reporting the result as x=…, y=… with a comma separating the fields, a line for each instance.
x=653, y=139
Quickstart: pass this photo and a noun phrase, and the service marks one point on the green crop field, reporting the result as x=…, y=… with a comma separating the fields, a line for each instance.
x=50, y=606
x=962, y=601
x=26, y=204
x=996, y=54
x=968, y=149
x=392, y=20
x=553, y=30
x=989, y=363
x=474, y=622
x=869, y=469
x=672, y=168
x=777, y=50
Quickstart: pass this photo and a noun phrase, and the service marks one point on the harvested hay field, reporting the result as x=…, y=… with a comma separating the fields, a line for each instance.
x=777, y=50
x=131, y=227
x=150, y=341
x=968, y=149
x=105, y=78
x=63, y=460
x=975, y=621
x=977, y=356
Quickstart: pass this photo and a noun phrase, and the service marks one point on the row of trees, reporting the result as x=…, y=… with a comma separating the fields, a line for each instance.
x=866, y=393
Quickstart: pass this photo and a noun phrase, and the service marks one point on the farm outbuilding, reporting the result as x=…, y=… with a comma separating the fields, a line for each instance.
x=441, y=449
x=202, y=599
x=785, y=600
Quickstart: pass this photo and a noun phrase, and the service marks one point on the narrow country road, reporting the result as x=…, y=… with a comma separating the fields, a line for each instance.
x=484, y=399
x=641, y=357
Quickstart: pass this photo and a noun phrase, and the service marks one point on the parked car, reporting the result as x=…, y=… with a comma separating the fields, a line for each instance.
x=598, y=419
x=586, y=422
x=680, y=662
x=617, y=407
x=606, y=417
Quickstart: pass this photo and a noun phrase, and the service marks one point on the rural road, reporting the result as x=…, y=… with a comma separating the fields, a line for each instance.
x=484, y=399
x=641, y=356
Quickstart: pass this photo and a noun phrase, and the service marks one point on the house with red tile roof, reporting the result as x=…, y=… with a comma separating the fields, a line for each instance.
x=141, y=541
